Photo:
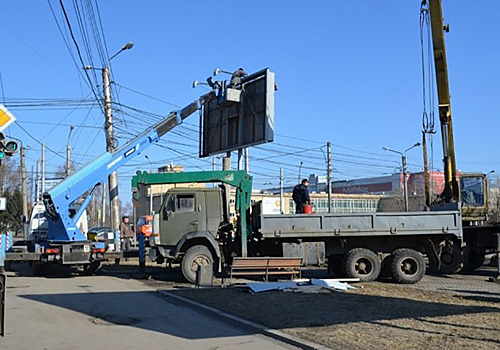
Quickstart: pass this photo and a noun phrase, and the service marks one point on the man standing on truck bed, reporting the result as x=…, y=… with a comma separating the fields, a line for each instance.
x=301, y=196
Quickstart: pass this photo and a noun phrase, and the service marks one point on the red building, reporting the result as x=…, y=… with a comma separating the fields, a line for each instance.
x=391, y=184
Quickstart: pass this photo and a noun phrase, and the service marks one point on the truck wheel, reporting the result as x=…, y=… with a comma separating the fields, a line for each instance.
x=452, y=260
x=198, y=255
x=407, y=266
x=363, y=264
x=473, y=262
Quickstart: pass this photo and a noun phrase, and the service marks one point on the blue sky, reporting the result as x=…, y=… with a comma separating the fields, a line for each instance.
x=348, y=72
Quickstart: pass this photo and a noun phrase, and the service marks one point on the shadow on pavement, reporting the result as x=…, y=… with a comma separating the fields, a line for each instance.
x=145, y=310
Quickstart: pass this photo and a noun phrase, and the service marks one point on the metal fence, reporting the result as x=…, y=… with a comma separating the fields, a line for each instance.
x=342, y=205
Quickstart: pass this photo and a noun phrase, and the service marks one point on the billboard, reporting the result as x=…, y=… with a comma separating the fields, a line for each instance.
x=238, y=116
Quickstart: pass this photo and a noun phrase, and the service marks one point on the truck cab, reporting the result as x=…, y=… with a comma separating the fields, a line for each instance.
x=474, y=197
x=190, y=220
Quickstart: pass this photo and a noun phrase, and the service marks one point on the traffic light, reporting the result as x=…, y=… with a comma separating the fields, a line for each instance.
x=2, y=146
x=7, y=147
x=10, y=148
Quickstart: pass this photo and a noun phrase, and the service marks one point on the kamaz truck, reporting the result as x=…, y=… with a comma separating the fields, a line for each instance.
x=193, y=228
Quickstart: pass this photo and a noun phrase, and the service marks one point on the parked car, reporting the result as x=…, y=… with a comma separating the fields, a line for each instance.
x=100, y=234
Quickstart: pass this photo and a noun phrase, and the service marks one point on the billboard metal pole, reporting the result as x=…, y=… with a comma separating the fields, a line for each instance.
x=240, y=159
x=247, y=160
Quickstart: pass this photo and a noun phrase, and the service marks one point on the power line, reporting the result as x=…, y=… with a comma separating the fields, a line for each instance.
x=40, y=143
x=149, y=96
x=78, y=50
x=61, y=125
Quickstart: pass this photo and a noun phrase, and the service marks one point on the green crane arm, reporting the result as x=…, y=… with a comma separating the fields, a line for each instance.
x=240, y=179
x=451, y=190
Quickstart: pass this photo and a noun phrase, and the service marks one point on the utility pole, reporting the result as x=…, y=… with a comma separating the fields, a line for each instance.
x=329, y=174
x=32, y=183
x=405, y=181
x=403, y=163
x=68, y=160
x=110, y=147
x=43, y=170
x=24, y=194
x=103, y=205
x=37, y=181
x=281, y=191
x=151, y=198
x=300, y=169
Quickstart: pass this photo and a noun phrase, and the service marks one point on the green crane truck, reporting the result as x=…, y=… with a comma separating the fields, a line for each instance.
x=192, y=227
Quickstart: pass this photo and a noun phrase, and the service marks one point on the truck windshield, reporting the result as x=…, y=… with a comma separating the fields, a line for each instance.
x=169, y=204
x=472, y=191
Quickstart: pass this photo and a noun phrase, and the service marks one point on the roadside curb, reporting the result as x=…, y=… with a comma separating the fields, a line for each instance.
x=272, y=333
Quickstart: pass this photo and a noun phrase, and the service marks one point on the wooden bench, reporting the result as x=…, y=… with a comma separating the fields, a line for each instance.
x=266, y=266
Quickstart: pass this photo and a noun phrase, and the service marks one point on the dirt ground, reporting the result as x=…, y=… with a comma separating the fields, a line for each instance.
x=443, y=312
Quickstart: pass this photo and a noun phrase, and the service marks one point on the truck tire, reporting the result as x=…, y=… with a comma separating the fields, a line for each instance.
x=407, y=266
x=363, y=264
x=473, y=261
x=198, y=255
x=452, y=260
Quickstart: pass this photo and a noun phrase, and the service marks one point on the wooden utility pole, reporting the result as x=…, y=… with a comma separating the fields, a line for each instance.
x=110, y=147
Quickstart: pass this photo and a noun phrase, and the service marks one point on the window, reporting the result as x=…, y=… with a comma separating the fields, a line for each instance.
x=472, y=190
x=185, y=202
x=170, y=206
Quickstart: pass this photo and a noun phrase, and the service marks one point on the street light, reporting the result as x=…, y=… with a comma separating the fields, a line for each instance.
x=403, y=161
x=110, y=139
x=127, y=46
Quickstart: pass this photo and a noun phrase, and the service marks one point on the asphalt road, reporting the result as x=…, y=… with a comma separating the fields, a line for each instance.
x=111, y=313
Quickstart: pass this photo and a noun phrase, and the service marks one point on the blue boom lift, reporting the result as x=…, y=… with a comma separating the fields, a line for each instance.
x=65, y=243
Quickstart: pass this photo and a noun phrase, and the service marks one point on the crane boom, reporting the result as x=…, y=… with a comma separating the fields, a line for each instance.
x=62, y=220
x=451, y=189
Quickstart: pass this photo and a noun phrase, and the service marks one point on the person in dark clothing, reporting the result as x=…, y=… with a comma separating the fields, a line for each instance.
x=300, y=196
x=126, y=233
x=236, y=78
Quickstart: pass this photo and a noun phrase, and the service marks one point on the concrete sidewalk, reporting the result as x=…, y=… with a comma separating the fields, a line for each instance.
x=111, y=313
